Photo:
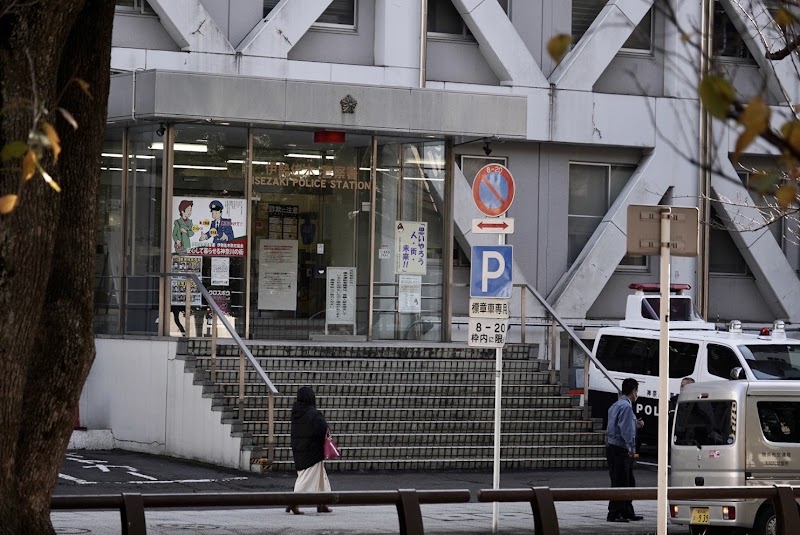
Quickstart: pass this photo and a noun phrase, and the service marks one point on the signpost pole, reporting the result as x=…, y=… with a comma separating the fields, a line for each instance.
x=663, y=372
x=498, y=390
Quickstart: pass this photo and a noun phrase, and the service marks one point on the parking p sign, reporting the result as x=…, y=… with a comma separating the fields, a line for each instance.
x=490, y=273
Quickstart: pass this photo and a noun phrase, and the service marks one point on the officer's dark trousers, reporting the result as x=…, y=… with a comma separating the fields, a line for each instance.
x=620, y=468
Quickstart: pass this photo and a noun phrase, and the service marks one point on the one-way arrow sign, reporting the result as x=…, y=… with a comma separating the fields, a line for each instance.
x=495, y=225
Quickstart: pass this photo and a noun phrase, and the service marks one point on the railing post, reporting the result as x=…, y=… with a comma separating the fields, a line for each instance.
x=213, y=347
x=241, y=385
x=553, y=348
x=132, y=514
x=271, y=427
x=523, y=320
x=786, y=514
x=187, y=311
x=545, y=519
x=409, y=513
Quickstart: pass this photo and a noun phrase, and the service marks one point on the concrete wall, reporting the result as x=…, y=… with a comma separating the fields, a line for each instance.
x=139, y=391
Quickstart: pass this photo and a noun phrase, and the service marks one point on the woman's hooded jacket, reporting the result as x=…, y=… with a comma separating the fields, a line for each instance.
x=308, y=430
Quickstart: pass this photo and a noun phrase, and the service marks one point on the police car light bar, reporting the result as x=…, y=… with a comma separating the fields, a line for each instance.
x=656, y=287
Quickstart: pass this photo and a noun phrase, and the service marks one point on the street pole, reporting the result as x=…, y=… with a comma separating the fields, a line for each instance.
x=498, y=391
x=663, y=372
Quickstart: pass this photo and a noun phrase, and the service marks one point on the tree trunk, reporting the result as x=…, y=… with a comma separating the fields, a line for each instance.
x=47, y=243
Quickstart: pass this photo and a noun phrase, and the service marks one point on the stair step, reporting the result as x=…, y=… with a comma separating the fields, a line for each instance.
x=449, y=463
x=442, y=426
x=378, y=401
x=352, y=440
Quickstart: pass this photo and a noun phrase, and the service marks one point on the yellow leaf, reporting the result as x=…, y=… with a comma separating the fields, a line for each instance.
x=8, y=203
x=84, y=85
x=791, y=134
x=54, y=140
x=29, y=165
x=47, y=178
x=558, y=45
x=783, y=18
x=717, y=95
x=786, y=194
x=755, y=119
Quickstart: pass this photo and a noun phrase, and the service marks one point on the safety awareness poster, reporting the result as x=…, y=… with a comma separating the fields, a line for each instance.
x=410, y=248
x=220, y=271
x=209, y=226
x=409, y=294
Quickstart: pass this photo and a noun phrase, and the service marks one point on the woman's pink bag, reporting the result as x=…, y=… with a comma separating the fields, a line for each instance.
x=331, y=450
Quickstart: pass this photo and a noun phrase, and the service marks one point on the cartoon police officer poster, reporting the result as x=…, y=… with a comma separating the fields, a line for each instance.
x=209, y=226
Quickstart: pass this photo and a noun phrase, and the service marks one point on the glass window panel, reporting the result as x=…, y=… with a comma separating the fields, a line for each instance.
x=411, y=187
x=108, y=256
x=721, y=360
x=340, y=12
x=580, y=229
x=143, y=213
x=208, y=171
x=443, y=17
x=780, y=422
x=588, y=190
x=620, y=174
x=585, y=11
x=705, y=423
x=727, y=41
x=724, y=257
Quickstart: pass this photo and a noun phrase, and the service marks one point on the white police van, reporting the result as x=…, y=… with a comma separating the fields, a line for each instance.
x=696, y=350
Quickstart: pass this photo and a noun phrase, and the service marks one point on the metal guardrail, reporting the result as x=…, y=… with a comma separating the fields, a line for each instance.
x=545, y=519
x=244, y=354
x=132, y=506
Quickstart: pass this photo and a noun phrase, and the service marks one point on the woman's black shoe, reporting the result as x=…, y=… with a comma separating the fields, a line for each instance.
x=294, y=509
x=324, y=509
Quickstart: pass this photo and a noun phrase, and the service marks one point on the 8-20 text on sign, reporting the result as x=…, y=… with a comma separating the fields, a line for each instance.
x=484, y=332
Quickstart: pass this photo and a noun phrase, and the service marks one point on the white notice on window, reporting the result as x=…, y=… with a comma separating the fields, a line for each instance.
x=410, y=294
x=340, y=293
x=277, y=274
x=220, y=270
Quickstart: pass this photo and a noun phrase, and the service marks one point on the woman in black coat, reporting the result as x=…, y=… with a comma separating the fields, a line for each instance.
x=308, y=435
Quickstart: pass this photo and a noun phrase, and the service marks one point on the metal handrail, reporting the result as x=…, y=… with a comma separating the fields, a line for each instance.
x=132, y=506
x=545, y=519
x=564, y=326
x=244, y=353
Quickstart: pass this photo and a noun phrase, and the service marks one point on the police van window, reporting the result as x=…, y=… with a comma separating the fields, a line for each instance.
x=773, y=361
x=721, y=360
x=680, y=308
x=640, y=356
x=705, y=423
x=780, y=420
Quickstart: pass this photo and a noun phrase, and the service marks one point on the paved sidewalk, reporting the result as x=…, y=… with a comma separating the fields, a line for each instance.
x=117, y=471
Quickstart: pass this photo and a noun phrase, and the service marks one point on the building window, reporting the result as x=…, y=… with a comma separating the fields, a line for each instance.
x=727, y=41
x=585, y=11
x=593, y=188
x=724, y=257
x=338, y=13
x=444, y=19
x=137, y=6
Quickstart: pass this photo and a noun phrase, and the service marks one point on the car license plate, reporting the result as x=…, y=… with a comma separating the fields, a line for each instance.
x=700, y=515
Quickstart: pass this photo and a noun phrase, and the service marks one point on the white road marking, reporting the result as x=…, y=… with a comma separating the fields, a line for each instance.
x=76, y=480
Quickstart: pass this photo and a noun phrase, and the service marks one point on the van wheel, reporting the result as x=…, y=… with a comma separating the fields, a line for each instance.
x=766, y=522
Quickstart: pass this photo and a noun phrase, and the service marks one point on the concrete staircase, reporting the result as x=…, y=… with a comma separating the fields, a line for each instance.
x=403, y=407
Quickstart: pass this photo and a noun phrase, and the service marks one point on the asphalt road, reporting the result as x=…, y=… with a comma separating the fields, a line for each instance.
x=106, y=472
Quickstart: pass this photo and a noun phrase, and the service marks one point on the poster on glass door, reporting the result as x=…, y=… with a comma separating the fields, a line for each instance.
x=340, y=296
x=409, y=294
x=277, y=274
x=410, y=248
x=209, y=226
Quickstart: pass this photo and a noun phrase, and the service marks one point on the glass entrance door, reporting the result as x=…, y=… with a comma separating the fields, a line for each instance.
x=310, y=228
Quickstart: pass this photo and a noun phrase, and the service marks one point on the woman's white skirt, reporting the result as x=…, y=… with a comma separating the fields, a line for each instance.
x=313, y=479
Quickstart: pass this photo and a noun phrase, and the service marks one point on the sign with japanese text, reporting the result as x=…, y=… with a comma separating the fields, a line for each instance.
x=220, y=271
x=409, y=295
x=209, y=226
x=185, y=264
x=340, y=290
x=488, y=308
x=277, y=275
x=484, y=332
x=410, y=248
